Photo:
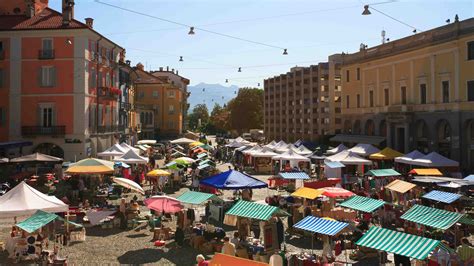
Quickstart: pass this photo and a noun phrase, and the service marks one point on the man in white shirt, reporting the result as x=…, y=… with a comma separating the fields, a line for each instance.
x=228, y=248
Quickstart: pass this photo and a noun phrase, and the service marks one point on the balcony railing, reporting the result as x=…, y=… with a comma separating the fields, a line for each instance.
x=108, y=93
x=43, y=131
x=46, y=54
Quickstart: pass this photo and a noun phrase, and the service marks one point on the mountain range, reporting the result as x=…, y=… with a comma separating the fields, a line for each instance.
x=210, y=94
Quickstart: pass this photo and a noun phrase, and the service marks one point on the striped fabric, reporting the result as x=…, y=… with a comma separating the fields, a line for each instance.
x=253, y=210
x=320, y=225
x=403, y=244
x=383, y=172
x=293, y=175
x=201, y=155
x=194, y=197
x=400, y=186
x=433, y=217
x=441, y=196
x=362, y=204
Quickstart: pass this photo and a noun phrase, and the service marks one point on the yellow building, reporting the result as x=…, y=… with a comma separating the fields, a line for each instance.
x=414, y=93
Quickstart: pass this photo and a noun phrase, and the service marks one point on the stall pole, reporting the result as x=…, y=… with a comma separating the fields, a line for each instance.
x=312, y=240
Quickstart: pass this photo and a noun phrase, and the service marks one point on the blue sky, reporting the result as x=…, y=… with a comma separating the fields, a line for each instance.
x=310, y=30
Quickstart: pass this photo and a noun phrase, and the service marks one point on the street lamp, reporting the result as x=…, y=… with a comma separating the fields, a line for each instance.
x=191, y=31
x=366, y=10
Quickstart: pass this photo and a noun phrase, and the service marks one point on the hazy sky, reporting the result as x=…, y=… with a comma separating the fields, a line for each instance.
x=310, y=30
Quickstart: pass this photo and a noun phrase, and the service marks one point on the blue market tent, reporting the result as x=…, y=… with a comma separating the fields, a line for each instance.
x=320, y=225
x=232, y=179
x=441, y=196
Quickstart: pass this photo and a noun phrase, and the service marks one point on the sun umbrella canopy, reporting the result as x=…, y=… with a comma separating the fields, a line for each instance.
x=115, y=150
x=127, y=183
x=163, y=204
x=386, y=154
x=36, y=157
x=158, y=172
x=91, y=166
x=146, y=141
x=232, y=179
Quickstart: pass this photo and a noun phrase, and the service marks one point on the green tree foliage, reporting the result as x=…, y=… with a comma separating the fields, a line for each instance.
x=199, y=112
x=246, y=110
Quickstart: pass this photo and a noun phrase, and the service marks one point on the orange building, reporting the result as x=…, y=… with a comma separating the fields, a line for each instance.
x=59, y=78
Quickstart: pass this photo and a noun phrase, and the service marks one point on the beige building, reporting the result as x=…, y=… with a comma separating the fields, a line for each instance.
x=304, y=103
x=414, y=93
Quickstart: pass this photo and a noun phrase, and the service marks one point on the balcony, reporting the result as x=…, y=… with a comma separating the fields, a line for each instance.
x=46, y=54
x=108, y=93
x=31, y=131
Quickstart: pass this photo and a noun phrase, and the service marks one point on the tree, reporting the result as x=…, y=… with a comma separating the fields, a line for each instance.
x=218, y=121
x=199, y=113
x=246, y=110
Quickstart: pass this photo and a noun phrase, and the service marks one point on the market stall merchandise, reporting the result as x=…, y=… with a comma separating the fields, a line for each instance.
x=127, y=183
x=385, y=154
x=220, y=259
x=91, y=166
x=364, y=149
x=433, y=217
x=426, y=171
x=232, y=179
x=363, y=204
x=442, y=196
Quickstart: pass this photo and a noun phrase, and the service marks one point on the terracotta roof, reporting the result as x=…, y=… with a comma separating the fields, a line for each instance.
x=46, y=19
x=147, y=78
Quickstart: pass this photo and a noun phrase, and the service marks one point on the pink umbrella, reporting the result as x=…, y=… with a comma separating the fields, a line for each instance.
x=163, y=204
x=334, y=192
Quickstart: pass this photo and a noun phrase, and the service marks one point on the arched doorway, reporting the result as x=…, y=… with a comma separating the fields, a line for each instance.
x=347, y=127
x=422, y=136
x=357, y=129
x=383, y=128
x=50, y=149
x=370, y=127
x=444, y=137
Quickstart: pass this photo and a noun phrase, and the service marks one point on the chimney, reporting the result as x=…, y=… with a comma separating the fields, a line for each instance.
x=167, y=68
x=140, y=66
x=176, y=72
x=127, y=62
x=30, y=8
x=68, y=11
x=172, y=70
x=90, y=22
x=161, y=68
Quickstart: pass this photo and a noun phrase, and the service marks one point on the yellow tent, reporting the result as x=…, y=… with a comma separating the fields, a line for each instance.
x=158, y=172
x=385, y=154
x=196, y=143
x=307, y=193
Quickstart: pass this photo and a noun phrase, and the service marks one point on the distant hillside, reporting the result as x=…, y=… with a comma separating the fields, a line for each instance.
x=210, y=94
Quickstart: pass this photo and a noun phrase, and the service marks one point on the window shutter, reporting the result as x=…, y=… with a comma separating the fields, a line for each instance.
x=40, y=77
x=53, y=76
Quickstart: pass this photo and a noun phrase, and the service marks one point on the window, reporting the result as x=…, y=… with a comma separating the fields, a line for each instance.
x=358, y=100
x=47, y=76
x=47, y=45
x=155, y=94
x=170, y=109
x=101, y=79
x=2, y=77
x=358, y=73
x=386, y=97
x=422, y=93
x=107, y=80
x=403, y=95
x=470, y=51
x=347, y=76
x=470, y=90
x=371, y=98
x=92, y=79
x=347, y=101
x=445, y=87
x=3, y=116
x=46, y=116
x=171, y=94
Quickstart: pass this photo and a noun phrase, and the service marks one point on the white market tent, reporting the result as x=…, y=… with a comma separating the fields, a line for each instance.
x=364, y=149
x=271, y=145
x=348, y=158
x=264, y=153
x=131, y=157
x=280, y=144
x=254, y=148
x=409, y=157
x=435, y=159
x=302, y=150
x=292, y=157
x=128, y=147
x=24, y=200
x=338, y=149
x=286, y=148
x=182, y=141
x=238, y=142
x=115, y=150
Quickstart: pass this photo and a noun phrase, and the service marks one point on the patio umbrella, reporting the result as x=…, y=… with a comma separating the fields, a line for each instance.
x=184, y=160
x=91, y=166
x=127, y=183
x=158, y=172
x=163, y=204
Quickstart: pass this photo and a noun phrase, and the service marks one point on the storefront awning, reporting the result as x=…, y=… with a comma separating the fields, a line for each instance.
x=307, y=193
x=441, y=196
x=382, y=172
x=433, y=217
x=363, y=204
x=293, y=175
x=255, y=210
x=374, y=140
x=194, y=197
x=320, y=225
x=400, y=186
x=427, y=171
x=403, y=244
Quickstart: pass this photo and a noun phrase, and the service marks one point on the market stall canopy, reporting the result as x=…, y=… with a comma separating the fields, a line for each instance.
x=382, y=172
x=286, y=148
x=254, y=148
x=265, y=152
x=336, y=192
x=191, y=135
x=348, y=158
x=203, y=166
x=158, y=172
x=364, y=149
x=433, y=217
x=440, y=180
x=320, y=225
x=184, y=160
x=40, y=219
x=255, y=210
x=127, y=183
x=334, y=165
x=302, y=150
x=363, y=204
x=202, y=155
x=121, y=164
x=196, y=144
x=293, y=175
x=91, y=166
x=163, y=204
x=307, y=193
x=469, y=178
x=146, y=141
x=220, y=259
x=207, y=161
x=291, y=155
x=338, y=149
x=127, y=147
x=426, y=171
x=132, y=157
x=271, y=144
x=435, y=159
x=442, y=196
x=182, y=141
x=400, y=186
x=178, y=154
x=232, y=179
x=399, y=243
x=385, y=154
x=4, y=160
x=36, y=157
x=194, y=197
x=409, y=157
x=25, y=200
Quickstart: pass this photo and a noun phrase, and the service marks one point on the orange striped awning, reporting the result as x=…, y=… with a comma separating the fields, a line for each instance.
x=400, y=186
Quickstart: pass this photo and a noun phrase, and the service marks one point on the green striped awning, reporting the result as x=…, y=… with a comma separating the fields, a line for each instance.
x=194, y=197
x=433, y=217
x=403, y=244
x=362, y=204
x=255, y=210
x=466, y=219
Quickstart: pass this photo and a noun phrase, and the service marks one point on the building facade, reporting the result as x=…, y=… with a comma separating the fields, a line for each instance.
x=60, y=80
x=304, y=103
x=415, y=93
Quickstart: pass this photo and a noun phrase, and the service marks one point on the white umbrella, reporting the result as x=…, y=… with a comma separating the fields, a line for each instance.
x=127, y=183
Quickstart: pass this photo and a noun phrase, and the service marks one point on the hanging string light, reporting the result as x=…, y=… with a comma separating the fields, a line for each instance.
x=191, y=31
x=226, y=81
x=181, y=59
x=367, y=12
x=240, y=69
x=285, y=52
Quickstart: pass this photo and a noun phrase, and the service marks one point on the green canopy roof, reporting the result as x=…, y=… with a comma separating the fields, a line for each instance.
x=382, y=172
x=36, y=221
x=466, y=219
x=362, y=204
x=433, y=217
x=194, y=197
x=255, y=210
x=207, y=161
x=408, y=245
